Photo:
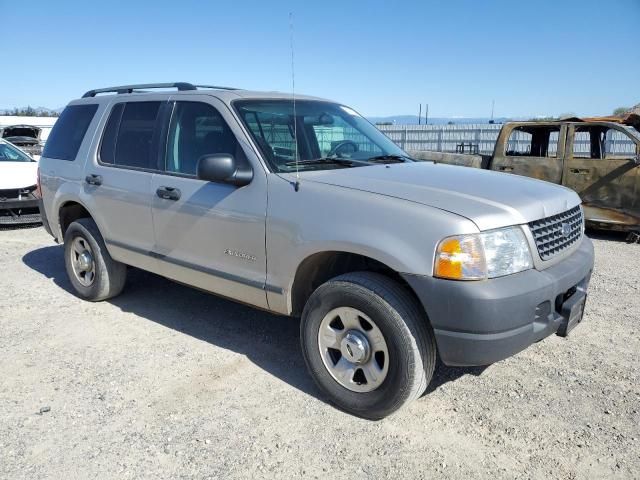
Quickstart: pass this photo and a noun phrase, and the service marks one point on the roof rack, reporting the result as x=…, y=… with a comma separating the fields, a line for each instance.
x=217, y=87
x=181, y=86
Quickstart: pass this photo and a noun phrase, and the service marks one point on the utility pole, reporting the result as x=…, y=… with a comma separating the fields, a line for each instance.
x=426, y=115
x=493, y=104
x=420, y=115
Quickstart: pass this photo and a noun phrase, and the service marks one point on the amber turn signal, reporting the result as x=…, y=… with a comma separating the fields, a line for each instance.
x=460, y=258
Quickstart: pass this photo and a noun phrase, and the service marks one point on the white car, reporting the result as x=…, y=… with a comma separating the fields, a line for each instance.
x=18, y=184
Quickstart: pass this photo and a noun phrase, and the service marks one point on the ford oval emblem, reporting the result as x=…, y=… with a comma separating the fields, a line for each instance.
x=565, y=229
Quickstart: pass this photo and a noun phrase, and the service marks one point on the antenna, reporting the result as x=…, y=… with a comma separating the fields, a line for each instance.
x=296, y=185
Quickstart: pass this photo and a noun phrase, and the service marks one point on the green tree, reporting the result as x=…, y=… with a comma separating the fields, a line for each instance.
x=620, y=110
x=29, y=112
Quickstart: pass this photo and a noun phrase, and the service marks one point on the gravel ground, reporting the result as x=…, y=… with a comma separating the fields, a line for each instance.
x=168, y=382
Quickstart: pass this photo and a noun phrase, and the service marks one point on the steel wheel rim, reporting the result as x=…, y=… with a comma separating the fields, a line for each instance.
x=353, y=349
x=82, y=262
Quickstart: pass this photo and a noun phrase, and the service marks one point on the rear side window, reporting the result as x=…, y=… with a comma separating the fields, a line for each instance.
x=108, y=146
x=128, y=136
x=69, y=130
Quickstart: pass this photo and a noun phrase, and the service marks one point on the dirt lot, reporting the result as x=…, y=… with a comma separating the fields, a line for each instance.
x=168, y=382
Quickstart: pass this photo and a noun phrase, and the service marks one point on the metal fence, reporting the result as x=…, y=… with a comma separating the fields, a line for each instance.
x=481, y=138
x=443, y=138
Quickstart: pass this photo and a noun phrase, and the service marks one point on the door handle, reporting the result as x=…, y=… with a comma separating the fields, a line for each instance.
x=580, y=171
x=93, y=179
x=505, y=169
x=168, y=193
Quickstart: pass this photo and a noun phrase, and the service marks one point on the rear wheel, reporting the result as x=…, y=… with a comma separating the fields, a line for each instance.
x=367, y=344
x=93, y=273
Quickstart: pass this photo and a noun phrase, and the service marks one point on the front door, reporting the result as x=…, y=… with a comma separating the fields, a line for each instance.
x=601, y=168
x=209, y=235
x=531, y=150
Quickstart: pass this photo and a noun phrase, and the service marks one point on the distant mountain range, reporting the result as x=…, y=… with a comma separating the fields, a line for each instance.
x=413, y=120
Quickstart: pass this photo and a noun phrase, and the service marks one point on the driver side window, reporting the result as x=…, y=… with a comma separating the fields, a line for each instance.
x=196, y=129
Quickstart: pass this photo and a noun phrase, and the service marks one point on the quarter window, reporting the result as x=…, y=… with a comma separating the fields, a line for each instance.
x=66, y=136
x=196, y=129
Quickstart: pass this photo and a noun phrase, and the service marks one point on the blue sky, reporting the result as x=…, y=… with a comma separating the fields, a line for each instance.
x=381, y=57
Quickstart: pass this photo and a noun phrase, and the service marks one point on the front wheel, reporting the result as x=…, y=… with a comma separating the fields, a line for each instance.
x=367, y=344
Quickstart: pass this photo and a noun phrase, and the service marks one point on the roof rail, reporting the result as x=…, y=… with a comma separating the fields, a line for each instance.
x=217, y=87
x=181, y=86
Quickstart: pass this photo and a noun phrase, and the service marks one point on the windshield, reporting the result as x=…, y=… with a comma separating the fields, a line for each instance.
x=9, y=153
x=328, y=135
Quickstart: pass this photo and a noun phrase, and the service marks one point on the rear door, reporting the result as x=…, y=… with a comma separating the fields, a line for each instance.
x=118, y=182
x=531, y=150
x=209, y=235
x=601, y=168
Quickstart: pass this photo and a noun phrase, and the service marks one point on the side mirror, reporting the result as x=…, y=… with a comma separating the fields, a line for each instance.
x=223, y=168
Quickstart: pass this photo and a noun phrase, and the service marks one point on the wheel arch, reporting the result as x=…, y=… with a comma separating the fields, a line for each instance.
x=320, y=267
x=68, y=212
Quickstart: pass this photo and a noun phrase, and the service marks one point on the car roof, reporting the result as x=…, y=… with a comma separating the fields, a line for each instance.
x=223, y=93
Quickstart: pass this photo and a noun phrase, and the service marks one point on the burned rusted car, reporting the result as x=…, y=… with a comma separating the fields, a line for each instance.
x=597, y=157
x=27, y=137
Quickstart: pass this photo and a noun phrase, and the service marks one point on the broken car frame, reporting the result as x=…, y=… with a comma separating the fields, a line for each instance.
x=580, y=154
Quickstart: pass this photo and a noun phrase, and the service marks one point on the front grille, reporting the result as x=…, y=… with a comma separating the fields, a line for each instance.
x=552, y=237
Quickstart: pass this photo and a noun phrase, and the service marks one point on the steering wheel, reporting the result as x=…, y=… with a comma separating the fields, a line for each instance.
x=336, y=150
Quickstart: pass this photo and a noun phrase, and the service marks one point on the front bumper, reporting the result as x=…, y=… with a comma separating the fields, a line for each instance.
x=16, y=211
x=478, y=323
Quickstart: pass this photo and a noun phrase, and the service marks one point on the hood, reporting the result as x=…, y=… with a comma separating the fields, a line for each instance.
x=489, y=199
x=21, y=131
x=18, y=174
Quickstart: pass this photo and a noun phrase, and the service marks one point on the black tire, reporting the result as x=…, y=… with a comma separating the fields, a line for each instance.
x=409, y=338
x=110, y=276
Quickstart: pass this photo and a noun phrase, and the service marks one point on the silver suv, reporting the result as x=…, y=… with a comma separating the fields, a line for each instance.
x=302, y=207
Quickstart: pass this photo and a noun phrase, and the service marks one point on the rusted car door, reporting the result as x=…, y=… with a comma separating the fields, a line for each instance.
x=531, y=150
x=601, y=166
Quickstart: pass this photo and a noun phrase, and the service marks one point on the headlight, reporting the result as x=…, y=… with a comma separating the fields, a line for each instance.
x=483, y=255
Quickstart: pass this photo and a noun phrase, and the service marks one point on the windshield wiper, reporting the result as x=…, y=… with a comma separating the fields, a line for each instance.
x=390, y=159
x=347, y=162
